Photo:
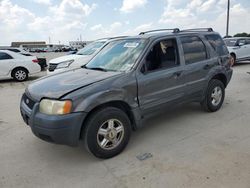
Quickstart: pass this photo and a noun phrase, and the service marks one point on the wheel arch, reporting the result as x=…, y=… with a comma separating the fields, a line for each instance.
x=233, y=54
x=122, y=105
x=222, y=77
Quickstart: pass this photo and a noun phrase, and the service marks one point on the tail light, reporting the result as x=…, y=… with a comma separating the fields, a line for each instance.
x=35, y=61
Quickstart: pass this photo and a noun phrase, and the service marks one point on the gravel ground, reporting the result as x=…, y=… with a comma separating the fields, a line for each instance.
x=185, y=148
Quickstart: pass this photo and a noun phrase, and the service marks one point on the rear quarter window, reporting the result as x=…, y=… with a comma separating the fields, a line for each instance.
x=217, y=44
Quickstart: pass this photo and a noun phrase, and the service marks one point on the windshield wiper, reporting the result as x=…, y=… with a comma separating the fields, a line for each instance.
x=95, y=68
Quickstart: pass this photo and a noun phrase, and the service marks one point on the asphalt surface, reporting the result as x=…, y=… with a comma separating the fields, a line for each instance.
x=185, y=147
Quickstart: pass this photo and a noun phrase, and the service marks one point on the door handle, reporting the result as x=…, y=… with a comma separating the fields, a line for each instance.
x=177, y=74
x=207, y=66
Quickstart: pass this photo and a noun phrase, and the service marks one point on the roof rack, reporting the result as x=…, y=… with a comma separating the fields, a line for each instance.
x=110, y=38
x=198, y=29
x=175, y=30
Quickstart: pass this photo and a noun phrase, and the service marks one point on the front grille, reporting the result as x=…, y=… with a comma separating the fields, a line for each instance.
x=52, y=67
x=28, y=101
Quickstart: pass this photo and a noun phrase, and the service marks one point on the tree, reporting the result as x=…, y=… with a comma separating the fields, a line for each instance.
x=242, y=35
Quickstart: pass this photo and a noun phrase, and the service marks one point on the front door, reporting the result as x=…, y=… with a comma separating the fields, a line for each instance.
x=160, y=79
x=243, y=50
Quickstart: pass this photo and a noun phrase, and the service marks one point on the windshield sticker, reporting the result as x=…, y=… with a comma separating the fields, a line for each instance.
x=131, y=45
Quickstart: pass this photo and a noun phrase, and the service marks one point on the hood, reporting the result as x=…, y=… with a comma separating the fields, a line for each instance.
x=55, y=86
x=67, y=58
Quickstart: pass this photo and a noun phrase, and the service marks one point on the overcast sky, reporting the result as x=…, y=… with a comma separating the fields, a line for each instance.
x=66, y=20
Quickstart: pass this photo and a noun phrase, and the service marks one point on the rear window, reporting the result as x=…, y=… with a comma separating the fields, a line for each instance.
x=14, y=50
x=194, y=49
x=217, y=44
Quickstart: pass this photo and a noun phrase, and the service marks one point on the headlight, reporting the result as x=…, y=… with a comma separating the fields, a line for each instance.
x=54, y=107
x=64, y=64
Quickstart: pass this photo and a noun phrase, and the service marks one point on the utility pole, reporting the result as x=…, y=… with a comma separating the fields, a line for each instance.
x=228, y=11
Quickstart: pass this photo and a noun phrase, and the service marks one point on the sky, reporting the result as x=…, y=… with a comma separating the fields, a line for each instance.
x=67, y=20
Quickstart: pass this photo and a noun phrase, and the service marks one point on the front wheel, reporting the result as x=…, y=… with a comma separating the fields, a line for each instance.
x=214, y=96
x=107, y=132
x=233, y=60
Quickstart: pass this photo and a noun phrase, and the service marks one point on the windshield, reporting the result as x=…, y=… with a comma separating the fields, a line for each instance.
x=91, y=48
x=230, y=42
x=118, y=55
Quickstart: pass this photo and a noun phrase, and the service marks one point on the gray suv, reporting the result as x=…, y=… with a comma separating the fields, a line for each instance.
x=130, y=80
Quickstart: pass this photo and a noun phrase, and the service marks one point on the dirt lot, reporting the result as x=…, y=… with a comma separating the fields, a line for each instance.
x=189, y=148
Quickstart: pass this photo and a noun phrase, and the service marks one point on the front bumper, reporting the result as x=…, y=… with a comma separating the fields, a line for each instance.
x=59, y=129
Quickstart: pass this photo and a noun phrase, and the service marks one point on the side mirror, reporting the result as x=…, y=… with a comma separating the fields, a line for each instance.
x=241, y=44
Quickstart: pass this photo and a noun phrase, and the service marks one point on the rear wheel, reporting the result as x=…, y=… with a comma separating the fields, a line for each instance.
x=20, y=74
x=107, y=132
x=214, y=96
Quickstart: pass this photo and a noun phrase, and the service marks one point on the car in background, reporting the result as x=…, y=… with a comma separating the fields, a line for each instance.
x=82, y=57
x=239, y=48
x=42, y=61
x=17, y=66
x=18, y=50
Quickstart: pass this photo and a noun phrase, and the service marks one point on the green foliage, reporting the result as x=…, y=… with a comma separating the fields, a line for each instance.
x=242, y=34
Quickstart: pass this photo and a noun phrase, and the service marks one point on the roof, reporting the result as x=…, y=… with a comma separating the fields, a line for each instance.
x=236, y=38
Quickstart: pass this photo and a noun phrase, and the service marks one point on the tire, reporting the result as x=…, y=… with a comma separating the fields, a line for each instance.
x=107, y=132
x=20, y=74
x=215, y=95
x=233, y=60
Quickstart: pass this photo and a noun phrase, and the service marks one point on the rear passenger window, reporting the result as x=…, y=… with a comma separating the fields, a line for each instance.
x=4, y=56
x=218, y=44
x=194, y=49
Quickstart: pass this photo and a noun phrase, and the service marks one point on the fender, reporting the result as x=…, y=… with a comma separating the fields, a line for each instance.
x=97, y=99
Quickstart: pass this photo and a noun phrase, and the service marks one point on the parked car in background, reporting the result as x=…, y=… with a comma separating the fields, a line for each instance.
x=128, y=81
x=239, y=48
x=42, y=61
x=18, y=50
x=78, y=59
x=17, y=66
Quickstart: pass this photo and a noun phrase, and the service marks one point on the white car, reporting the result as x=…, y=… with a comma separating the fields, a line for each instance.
x=17, y=50
x=17, y=66
x=239, y=48
x=82, y=57
x=79, y=59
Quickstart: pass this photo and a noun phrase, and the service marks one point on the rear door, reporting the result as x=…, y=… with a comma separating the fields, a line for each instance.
x=6, y=64
x=160, y=80
x=197, y=64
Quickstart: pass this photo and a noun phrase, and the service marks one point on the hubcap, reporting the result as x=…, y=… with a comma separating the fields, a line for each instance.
x=110, y=134
x=20, y=75
x=216, y=96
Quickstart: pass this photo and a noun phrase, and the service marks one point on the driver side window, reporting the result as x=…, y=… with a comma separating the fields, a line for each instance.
x=162, y=55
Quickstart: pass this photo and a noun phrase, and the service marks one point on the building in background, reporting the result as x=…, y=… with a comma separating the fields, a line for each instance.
x=34, y=44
